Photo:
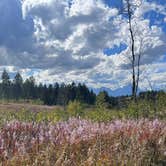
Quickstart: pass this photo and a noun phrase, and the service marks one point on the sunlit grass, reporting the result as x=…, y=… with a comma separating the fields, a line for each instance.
x=83, y=142
x=81, y=135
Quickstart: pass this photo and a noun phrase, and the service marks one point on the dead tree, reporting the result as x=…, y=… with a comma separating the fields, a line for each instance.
x=135, y=58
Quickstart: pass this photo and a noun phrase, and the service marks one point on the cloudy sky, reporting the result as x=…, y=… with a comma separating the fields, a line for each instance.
x=83, y=41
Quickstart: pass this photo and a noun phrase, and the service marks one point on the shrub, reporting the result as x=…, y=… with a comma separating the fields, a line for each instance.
x=102, y=101
x=75, y=109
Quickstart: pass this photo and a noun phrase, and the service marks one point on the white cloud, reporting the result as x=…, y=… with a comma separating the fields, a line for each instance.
x=63, y=42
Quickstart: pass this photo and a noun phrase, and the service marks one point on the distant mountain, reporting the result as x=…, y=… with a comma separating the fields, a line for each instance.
x=126, y=90
x=118, y=92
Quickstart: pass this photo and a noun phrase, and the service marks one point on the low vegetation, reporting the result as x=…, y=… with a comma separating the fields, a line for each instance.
x=82, y=142
x=101, y=131
x=76, y=109
x=84, y=135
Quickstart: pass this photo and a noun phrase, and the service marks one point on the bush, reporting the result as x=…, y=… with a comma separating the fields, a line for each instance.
x=102, y=101
x=75, y=109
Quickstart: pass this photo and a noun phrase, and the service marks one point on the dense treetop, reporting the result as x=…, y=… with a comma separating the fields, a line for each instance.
x=60, y=94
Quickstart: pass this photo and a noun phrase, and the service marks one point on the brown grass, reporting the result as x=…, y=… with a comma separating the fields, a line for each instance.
x=26, y=106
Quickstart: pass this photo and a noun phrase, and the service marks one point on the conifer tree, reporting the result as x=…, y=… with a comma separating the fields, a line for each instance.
x=5, y=85
x=17, y=86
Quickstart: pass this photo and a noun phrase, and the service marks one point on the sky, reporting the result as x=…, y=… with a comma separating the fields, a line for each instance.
x=83, y=41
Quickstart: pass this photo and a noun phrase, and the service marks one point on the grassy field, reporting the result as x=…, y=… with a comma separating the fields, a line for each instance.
x=26, y=106
x=80, y=135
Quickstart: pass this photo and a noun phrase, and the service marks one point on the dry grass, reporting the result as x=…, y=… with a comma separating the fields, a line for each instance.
x=27, y=106
x=84, y=143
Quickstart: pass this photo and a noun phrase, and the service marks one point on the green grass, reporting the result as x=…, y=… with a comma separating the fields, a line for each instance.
x=117, y=148
x=76, y=109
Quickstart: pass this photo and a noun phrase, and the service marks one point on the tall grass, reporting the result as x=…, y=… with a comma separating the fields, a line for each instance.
x=83, y=142
x=85, y=136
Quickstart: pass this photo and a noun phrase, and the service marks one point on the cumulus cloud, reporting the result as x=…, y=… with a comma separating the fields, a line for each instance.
x=63, y=40
x=15, y=33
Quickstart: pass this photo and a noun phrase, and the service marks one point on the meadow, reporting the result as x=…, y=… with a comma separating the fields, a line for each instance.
x=83, y=83
x=82, y=142
x=82, y=135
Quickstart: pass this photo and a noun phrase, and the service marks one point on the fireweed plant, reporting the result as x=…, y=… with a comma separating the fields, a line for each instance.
x=83, y=142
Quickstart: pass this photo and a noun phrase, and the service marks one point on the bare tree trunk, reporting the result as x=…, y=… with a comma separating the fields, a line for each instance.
x=138, y=67
x=134, y=83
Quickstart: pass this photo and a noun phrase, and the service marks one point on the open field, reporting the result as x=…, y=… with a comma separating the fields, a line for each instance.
x=43, y=135
x=26, y=106
x=83, y=83
x=82, y=142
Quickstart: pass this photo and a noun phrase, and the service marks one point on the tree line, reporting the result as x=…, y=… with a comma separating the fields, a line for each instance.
x=61, y=94
x=52, y=94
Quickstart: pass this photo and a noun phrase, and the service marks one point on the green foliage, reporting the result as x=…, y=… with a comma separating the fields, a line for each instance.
x=75, y=109
x=17, y=86
x=99, y=116
x=135, y=110
x=102, y=100
x=144, y=108
x=147, y=108
x=5, y=86
x=53, y=94
x=161, y=101
x=32, y=116
x=5, y=78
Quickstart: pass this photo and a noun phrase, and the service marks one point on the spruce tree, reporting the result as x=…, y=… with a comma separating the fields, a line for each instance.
x=5, y=85
x=17, y=86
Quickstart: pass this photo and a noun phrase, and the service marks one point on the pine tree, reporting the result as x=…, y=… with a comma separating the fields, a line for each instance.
x=17, y=86
x=5, y=85
x=56, y=91
x=30, y=89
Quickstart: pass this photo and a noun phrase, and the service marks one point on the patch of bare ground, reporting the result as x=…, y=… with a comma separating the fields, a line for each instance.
x=26, y=106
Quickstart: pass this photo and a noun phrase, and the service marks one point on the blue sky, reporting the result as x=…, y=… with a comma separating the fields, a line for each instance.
x=113, y=3
x=115, y=49
x=83, y=41
x=156, y=19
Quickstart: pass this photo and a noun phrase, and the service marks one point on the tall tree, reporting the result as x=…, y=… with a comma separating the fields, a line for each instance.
x=30, y=88
x=129, y=7
x=17, y=86
x=72, y=91
x=5, y=85
x=63, y=94
x=56, y=91
x=50, y=94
